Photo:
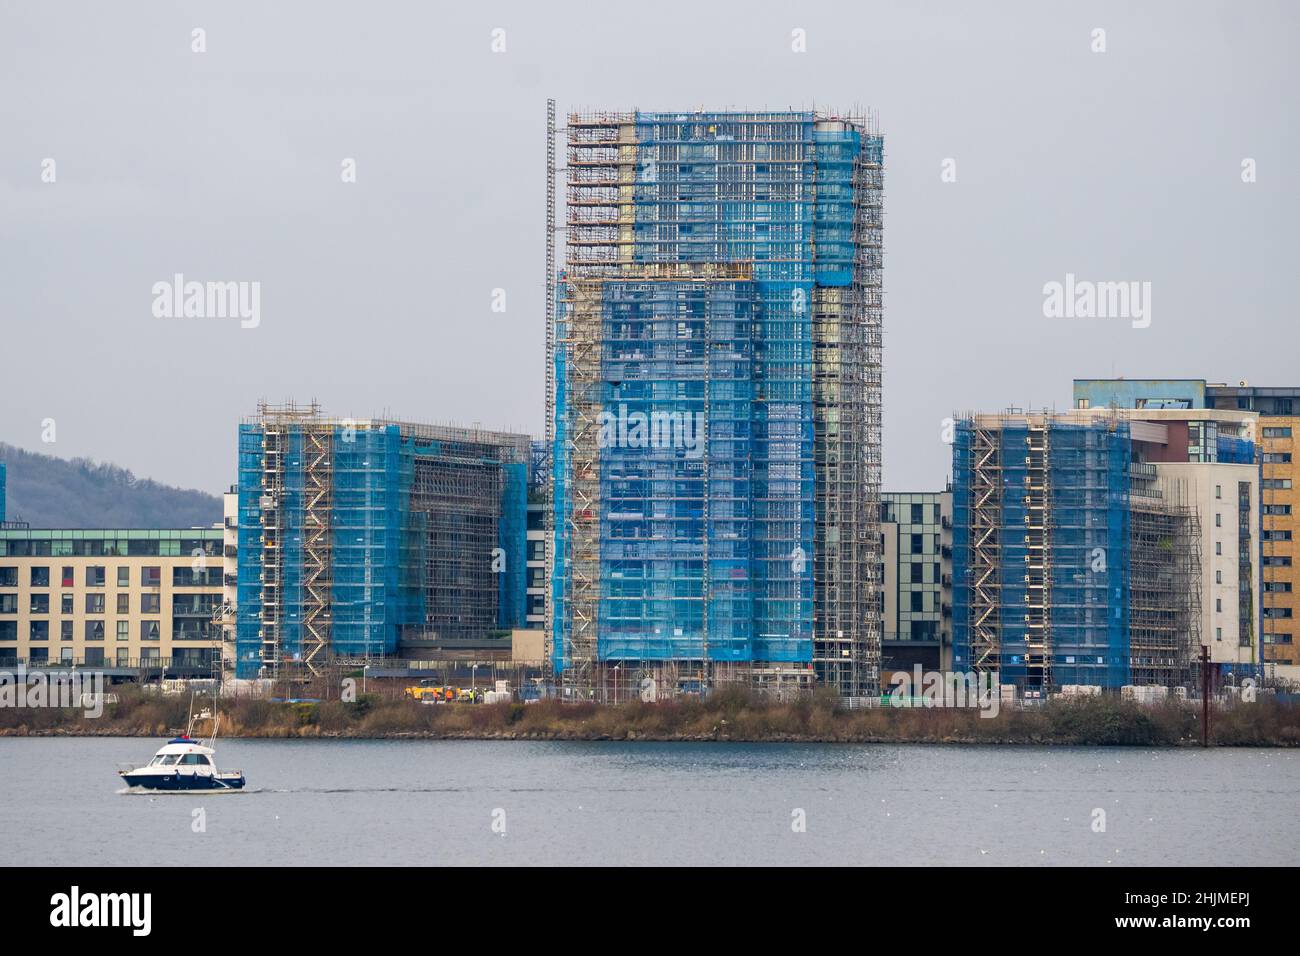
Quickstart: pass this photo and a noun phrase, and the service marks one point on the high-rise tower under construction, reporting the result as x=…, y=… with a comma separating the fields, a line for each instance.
x=713, y=414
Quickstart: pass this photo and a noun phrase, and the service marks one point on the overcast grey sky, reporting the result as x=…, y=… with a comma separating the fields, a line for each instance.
x=376, y=295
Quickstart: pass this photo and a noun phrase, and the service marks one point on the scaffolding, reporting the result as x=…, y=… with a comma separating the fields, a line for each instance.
x=356, y=538
x=1041, y=548
x=977, y=520
x=316, y=545
x=1165, y=584
x=548, y=520
x=721, y=269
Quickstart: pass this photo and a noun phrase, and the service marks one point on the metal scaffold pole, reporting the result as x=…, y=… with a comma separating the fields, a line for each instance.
x=548, y=625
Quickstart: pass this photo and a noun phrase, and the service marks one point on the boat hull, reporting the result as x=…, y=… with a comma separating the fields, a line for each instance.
x=179, y=781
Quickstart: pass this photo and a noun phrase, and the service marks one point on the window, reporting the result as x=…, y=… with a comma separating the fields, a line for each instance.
x=65, y=655
x=95, y=575
x=123, y=657
x=194, y=760
x=918, y=514
x=8, y=603
x=38, y=655
x=123, y=630
x=1218, y=633
x=65, y=630
x=40, y=577
x=1277, y=458
x=39, y=631
x=918, y=544
x=94, y=630
x=1218, y=520
x=151, y=577
x=40, y=604
x=94, y=604
x=8, y=630
x=150, y=603
x=65, y=605
x=210, y=577
x=1277, y=432
x=124, y=577
x=1218, y=491
x=918, y=573
x=67, y=577
x=149, y=631
x=1218, y=604
x=124, y=604
x=9, y=576
x=1218, y=577
x=1277, y=535
x=918, y=600
x=1218, y=547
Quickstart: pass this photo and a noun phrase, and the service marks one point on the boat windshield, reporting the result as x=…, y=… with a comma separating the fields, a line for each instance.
x=164, y=760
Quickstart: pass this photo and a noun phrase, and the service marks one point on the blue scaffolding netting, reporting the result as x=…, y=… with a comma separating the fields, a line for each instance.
x=707, y=552
x=424, y=534
x=1086, y=552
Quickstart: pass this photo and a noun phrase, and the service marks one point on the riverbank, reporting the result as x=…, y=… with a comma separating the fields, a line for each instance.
x=726, y=716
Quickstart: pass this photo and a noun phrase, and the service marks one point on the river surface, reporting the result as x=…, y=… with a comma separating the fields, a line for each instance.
x=511, y=802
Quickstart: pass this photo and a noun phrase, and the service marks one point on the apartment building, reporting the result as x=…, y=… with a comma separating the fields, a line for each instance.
x=127, y=602
x=1106, y=545
x=1278, y=428
x=1274, y=436
x=365, y=539
x=713, y=374
x=916, y=600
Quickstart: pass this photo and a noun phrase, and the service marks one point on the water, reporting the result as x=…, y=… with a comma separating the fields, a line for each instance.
x=435, y=802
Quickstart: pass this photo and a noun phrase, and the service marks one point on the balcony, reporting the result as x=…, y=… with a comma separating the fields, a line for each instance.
x=135, y=667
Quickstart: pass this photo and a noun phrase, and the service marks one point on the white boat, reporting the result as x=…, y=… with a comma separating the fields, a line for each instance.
x=184, y=763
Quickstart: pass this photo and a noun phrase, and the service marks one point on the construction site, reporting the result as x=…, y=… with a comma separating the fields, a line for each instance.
x=1074, y=562
x=366, y=540
x=722, y=276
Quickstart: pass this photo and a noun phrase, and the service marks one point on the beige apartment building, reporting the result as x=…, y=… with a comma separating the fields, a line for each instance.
x=1277, y=434
x=1226, y=497
x=124, y=601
